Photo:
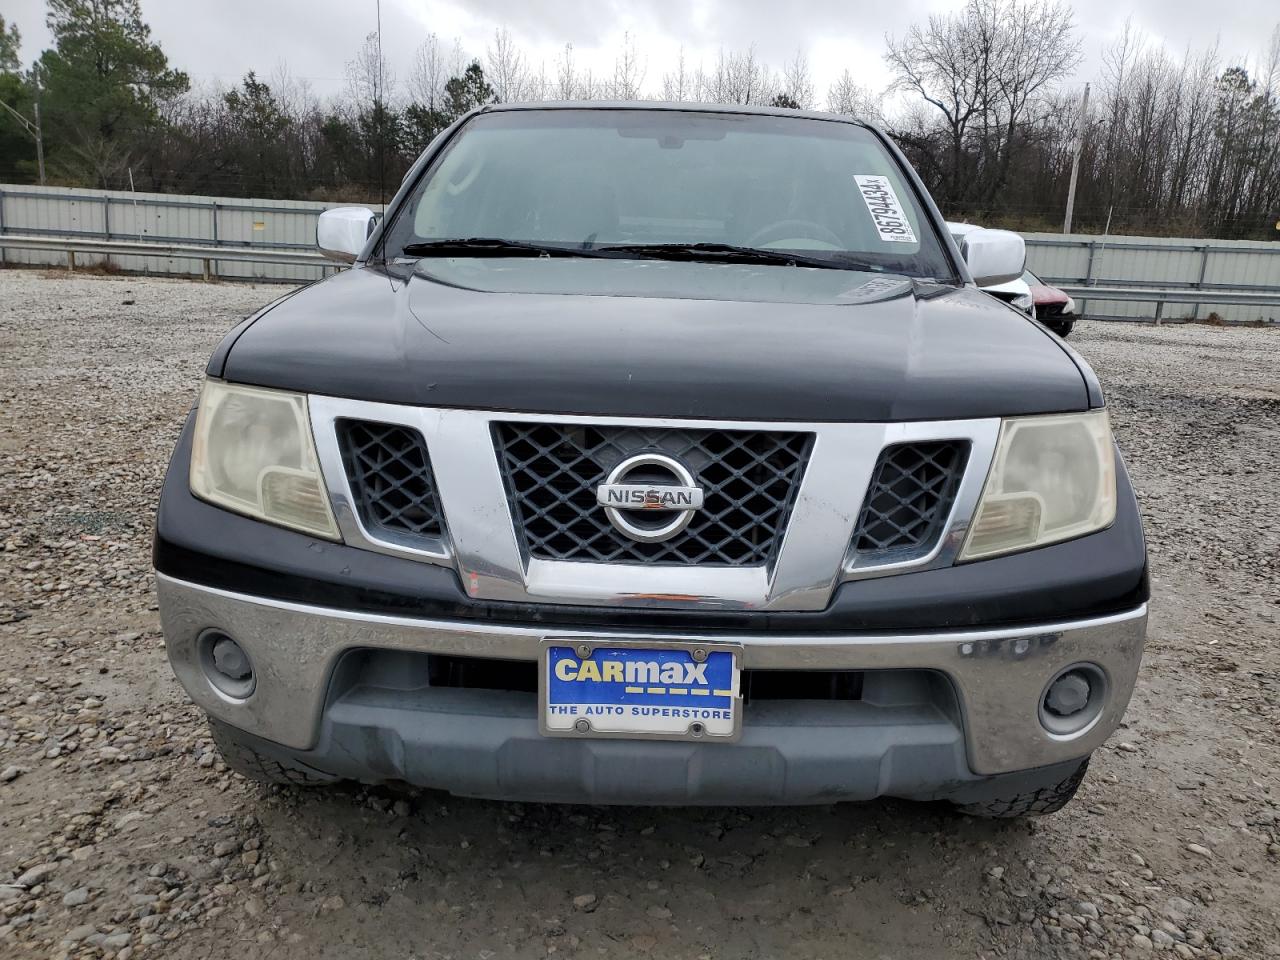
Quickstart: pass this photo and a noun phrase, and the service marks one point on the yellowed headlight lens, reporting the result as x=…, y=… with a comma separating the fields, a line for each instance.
x=1053, y=478
x=253, y=453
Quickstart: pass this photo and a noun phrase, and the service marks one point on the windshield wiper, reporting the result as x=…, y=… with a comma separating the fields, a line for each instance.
x=492, y=247
x=730, y=253
x=691, y=252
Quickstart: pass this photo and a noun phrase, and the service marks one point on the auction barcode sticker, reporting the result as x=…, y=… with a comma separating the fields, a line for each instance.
x=886, y=212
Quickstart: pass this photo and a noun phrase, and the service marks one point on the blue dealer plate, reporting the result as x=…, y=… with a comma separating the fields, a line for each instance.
x=643, y=690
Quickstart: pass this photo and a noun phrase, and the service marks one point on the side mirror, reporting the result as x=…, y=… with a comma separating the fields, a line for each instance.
x=342, y=232
x=994, y=256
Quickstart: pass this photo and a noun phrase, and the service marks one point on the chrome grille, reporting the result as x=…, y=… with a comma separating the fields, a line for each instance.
x=750, y=479
x=913, y=488
x=390, y=475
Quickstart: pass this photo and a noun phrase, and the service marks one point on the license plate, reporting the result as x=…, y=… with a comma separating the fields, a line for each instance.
x=641, y=689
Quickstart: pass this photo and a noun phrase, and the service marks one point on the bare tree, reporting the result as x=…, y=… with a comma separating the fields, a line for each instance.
x=566, y=82
x=1265, y=193
x=628, y=72
x=679, y=84
x=986, y=69
x=428, y=73
x=590, y=87
x=940, y=62
x=369, y=75
x=570, y=83
x=537, y=85
x=738, y=78
x=797, y=82
x=506, y=68
x=848, y=97
x=293, y=93
x=1036, y=47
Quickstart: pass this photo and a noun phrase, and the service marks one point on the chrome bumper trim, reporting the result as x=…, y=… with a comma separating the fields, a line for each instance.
x=998, y=674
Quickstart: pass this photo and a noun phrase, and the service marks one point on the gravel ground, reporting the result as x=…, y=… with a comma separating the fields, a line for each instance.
x=121, y=834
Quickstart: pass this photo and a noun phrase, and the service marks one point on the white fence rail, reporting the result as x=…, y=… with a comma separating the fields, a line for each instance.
x=73, y=250
x=224, y=223
x=71, y=247
x=1075, y=261
x=1163, y=298
x=224, y=228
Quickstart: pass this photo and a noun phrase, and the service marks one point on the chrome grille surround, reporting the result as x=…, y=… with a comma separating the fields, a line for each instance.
x=750, y=481
x=484, y=547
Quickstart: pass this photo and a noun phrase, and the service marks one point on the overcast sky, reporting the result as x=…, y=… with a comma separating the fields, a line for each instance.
x=218, y=42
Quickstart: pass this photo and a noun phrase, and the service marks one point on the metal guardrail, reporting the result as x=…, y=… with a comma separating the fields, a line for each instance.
x=175, y=201
x=78, y=235
x=208, y=255
x=1187, y=265
x=131, y=202
x=1098, y=246
x=1124, y=243
x=1260, y=296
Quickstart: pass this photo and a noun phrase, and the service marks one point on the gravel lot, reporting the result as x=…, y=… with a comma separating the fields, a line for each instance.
x=122, y=835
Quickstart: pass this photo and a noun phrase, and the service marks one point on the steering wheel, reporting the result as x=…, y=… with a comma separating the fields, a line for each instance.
x=794, y=229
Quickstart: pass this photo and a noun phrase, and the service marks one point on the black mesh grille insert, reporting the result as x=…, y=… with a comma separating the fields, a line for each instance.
x=912, y=489
x=749, y=478
x=390, y=476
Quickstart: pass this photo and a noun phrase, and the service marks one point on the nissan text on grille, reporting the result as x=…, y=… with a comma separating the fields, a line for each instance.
x=656, y=454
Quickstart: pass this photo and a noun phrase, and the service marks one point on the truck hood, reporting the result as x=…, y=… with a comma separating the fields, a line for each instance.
x=655, y=339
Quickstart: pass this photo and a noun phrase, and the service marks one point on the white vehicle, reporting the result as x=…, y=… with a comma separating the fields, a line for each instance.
x=1016, y=292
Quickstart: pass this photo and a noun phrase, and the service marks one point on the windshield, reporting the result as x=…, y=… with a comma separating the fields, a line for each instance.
x=591, y=179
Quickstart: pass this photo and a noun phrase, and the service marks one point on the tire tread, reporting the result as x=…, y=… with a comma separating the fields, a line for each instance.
x=249, y=763
x=1032, y=803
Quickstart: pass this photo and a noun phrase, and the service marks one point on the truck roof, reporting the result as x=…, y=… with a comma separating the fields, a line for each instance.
x=680, y=106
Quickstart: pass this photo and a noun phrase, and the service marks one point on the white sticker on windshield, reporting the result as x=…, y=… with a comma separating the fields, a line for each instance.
x=886, y=212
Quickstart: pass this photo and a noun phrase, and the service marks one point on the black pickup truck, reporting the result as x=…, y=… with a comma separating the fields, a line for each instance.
x=657, y=454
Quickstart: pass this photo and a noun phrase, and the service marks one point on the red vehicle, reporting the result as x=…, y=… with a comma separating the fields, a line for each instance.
x=1054, y=309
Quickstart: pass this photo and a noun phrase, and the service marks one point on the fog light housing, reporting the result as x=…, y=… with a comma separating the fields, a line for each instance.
x=1067, y=695
x=1073, y=700
x=226, y=664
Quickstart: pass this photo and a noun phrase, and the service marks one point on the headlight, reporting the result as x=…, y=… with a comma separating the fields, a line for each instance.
x=253, y=453
x=1052, y=478
x=1024, y=303
x=1070, y=306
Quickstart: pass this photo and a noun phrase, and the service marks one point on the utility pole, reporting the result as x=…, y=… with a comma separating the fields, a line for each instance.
x=35, y=80
x=1075, y=163
x=32, y=130
x=380, y=114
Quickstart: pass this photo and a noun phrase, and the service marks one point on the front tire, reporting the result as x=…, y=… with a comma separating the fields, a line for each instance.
x=1050, y=798
x=238, y=754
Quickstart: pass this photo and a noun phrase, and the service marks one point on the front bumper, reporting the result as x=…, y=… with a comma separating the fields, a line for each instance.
x=1049, y=316
x=486, y=743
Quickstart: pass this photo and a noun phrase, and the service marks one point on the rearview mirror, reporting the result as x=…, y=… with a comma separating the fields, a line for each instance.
x=993, y=256
x=342, y=232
